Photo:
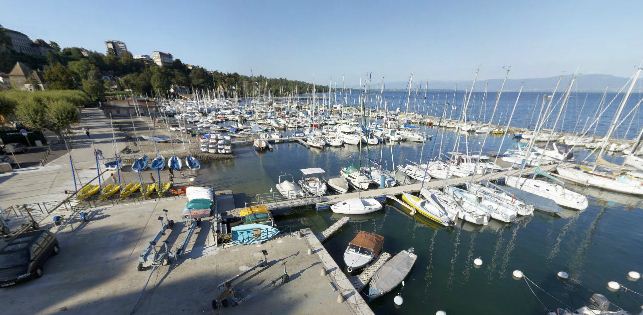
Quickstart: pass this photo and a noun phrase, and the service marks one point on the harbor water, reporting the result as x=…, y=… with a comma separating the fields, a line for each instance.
x=596, y=245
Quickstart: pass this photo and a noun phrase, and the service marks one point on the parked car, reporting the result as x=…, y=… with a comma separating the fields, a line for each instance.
x=14, y=148
x=23, y=257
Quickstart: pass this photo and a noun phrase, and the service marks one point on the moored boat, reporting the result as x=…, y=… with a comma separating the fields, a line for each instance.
x=363, y=249
x=391, y=274
x=357, y=206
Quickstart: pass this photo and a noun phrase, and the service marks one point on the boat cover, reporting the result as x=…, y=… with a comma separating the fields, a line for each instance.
x=369, y=241
x=312, y=171
x=194, y=192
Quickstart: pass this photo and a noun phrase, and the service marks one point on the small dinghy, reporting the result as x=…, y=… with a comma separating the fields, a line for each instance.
x=192, y=163
x=357, y=206
x=253, y=233
x=140, y=164
x=363, y=249
x=338, y=184
x=174, y=163
x=114, y=165
x=391, y=274
x=158, y=163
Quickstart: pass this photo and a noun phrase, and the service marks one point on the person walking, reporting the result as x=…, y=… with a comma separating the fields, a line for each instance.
x=87, y=133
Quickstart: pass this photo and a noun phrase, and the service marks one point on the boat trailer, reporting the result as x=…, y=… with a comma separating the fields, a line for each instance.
x=194, y=223
x=152, y=257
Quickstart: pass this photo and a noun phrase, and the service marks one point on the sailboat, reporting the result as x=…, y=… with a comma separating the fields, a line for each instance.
x=355, y=177
x=495, y=209
x=464, y=211
x=556, y=192
x=192, y=163
x=158, y=163
x=338, y=184
x=500, y=196
x=425, y=208
x=140, y=164
x=174, y=163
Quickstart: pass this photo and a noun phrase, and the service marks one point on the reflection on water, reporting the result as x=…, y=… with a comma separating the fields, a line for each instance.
x=597, y=245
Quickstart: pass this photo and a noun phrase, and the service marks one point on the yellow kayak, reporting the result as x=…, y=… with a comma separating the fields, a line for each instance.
x=164, y=188
x=109, y=190
x=151, y=188
x=130, y=189
x=87, y=191
x=253, y=209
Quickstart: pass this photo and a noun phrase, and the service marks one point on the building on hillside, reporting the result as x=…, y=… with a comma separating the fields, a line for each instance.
x=22, y=77
x=144, y=58
x=162, y=59
x=21, y=43
x=116, y=47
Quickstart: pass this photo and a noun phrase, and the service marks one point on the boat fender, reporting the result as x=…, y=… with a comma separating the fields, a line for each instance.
x=398, y=300
x=633, y=276
x=517, y=274
x=349, y=269
x=613, y=286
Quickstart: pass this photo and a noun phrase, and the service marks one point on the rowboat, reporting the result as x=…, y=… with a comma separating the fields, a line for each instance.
x=391, y=274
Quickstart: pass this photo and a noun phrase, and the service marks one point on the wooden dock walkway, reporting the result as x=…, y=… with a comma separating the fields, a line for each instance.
x=327, y=233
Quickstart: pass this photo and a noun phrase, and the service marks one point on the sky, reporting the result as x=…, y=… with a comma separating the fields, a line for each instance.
x=323, y=41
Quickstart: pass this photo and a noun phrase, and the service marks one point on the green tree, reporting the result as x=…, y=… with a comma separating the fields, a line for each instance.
x=160, y=81
x=7, y=107
x=81, y=68
x=199, y=77
x=61, y=114
x=58, y=77
x=31, y=112
x=93, y=85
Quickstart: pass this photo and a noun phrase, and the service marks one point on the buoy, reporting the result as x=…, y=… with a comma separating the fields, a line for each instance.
x=517, y=274
x=440, y=313
x=477, y=262
x=398, y=300
x=563, y=275
x=633, y=276
x=613, y=286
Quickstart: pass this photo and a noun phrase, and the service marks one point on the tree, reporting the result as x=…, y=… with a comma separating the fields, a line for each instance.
x=58, y=77
x=7, y=108
x=160, y=81
x=199, y=77
x=61, y=114
x=93, y=85
x=31, y=112
x=81, y=68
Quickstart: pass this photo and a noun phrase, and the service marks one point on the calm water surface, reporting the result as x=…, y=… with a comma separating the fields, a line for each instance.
x=597, y=245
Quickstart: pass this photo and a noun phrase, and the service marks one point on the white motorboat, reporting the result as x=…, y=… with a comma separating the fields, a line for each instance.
x=338, y=184
x=555, y=192
x=493, y=192
x=357, y=206
x=363, y=249
x=311, y=181
x=316, y=142
x=288, y=188
x=335, y=142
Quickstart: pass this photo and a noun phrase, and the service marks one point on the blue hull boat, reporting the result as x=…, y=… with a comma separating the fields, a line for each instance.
x=192, y=163
x=114, y=165
x=140, y=164
x=174, y=163
x=253, y=233
x=158, y=163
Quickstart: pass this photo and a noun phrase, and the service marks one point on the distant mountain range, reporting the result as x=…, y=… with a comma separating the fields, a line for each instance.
x=584, y=83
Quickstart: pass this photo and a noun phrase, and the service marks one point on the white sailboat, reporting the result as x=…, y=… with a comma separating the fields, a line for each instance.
x=448, y=204
x=495, y=209
x=338, y=184
x=500, y=196
x=555, y=192
x=355, y=177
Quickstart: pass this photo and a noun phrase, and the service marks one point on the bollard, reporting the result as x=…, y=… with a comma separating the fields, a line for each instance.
x=340, y=298
x=310, y=251
x=322, y=271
